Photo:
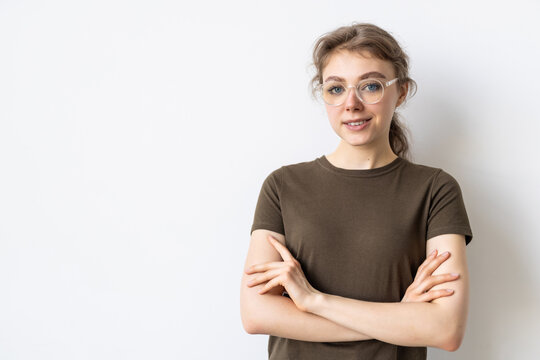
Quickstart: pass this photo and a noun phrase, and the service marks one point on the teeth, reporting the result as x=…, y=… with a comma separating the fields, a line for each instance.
x=357, y=123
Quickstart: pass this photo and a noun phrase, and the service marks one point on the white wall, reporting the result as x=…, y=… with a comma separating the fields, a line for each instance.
x=135, y=135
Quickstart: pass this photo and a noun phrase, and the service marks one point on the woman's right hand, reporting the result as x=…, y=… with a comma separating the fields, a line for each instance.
x=420, y=289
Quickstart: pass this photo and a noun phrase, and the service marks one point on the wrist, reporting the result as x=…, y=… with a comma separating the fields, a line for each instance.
x=314, y=301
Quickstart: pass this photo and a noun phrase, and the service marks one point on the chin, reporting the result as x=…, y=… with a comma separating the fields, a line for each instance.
x=356, y=140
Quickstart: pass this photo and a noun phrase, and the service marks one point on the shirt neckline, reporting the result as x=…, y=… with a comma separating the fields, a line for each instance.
x=323, y=161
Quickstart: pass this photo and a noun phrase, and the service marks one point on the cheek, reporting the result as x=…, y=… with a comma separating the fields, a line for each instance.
x=333, y=113
x=386, y=111
x=385, y=108
x=389, y=101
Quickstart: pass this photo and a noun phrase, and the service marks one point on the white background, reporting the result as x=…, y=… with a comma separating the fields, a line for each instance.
x=135, y=136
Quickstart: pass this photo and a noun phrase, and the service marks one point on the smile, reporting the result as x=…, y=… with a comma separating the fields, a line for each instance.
x=357, y=124
x=357, y=121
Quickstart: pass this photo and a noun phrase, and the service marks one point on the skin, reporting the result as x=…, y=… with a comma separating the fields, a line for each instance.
x=268, y=312
x=438, y=323
x=301, y=290
x=370, y=147
x=428, y=315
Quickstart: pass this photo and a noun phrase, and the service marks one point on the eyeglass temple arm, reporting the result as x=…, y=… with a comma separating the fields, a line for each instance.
x=390, y=82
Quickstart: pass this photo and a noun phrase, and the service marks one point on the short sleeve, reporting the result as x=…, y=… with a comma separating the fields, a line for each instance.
x=268, y=210
x=447, y=213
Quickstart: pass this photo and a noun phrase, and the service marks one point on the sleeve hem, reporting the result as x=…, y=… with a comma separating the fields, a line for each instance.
x=266, y=226
x=462, y=230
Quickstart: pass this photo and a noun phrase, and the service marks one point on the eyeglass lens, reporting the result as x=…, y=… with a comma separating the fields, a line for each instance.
x=369, y=90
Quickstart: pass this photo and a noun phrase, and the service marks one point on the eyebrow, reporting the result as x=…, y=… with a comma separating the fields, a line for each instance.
x=364, y=76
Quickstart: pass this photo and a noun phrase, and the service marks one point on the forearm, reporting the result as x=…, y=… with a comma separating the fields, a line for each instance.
x=277, y=315
x=405, y=324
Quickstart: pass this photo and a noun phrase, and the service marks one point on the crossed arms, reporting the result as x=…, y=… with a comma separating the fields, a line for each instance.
x=428, y=319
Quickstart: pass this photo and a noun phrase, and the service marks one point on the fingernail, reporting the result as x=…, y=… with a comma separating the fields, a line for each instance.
x=433, y=252
x=449, y=290
x=454, y=274
x=445, y=253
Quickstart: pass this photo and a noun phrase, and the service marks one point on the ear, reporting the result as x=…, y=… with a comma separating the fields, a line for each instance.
x=403, y=94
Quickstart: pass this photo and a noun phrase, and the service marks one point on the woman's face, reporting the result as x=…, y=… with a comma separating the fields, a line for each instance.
x=351, y=67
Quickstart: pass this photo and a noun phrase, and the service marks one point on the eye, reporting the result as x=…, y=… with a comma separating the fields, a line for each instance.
x=371, y=86
x=335, y=90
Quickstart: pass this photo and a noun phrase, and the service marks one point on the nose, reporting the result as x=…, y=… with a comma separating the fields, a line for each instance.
x=352, y=102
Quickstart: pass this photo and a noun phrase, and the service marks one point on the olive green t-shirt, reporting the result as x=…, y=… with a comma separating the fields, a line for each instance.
x=359, y=234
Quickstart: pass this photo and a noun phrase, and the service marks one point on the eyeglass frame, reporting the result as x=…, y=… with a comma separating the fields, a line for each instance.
x=384, y=86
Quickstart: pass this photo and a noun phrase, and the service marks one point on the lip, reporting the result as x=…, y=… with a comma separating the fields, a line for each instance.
x=357, y=127
x=356, y=120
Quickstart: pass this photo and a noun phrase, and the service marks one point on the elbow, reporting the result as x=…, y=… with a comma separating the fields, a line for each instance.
x=452, y=345
x=452, y=340
x=250, y=321
x=256, y=310
x=250, y=325
x=450, y=329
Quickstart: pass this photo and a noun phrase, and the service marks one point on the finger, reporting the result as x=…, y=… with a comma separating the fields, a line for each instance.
x=435, y=294
x=420, y=274
x=427, y=260
x=272, y=283
x=269, y=275
x=282, y=249
x=433, y=280
x=263, y=267
x=433, y=265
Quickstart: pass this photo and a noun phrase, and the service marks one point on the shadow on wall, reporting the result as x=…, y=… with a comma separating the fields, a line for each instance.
x=503, y=302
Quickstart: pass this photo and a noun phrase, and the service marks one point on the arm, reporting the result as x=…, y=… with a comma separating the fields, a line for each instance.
x=277, y=315
x=439, y=323
x=270, y=313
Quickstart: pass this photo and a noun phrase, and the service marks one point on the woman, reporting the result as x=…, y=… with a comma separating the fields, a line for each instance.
x=359, y=254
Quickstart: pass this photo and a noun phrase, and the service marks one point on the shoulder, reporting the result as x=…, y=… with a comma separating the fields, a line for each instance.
x=436, y=176
x=295, y=169
x=289, y=172
x=300, y=166
x=420, y=169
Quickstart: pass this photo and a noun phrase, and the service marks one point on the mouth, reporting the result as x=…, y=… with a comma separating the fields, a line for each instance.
x=357, y=122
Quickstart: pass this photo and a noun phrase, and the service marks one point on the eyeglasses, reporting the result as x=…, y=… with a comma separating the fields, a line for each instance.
x=369, y=91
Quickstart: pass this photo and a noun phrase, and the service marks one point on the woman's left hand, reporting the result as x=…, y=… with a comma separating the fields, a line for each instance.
x=287, y=273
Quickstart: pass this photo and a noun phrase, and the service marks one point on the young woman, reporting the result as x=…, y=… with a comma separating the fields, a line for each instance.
x=358, y=254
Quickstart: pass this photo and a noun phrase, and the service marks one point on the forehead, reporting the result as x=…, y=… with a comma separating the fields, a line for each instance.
x=352, y=65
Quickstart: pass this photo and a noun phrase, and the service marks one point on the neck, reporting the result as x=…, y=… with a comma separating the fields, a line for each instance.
x=359, y=158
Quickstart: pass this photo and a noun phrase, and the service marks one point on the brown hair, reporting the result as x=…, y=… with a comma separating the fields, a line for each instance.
x=379, y=43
